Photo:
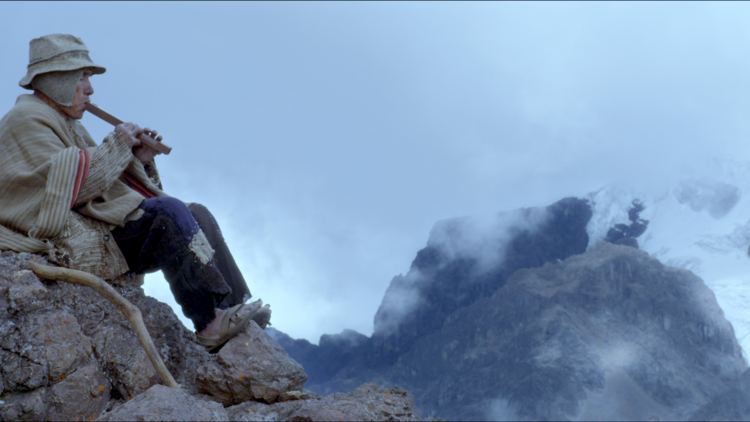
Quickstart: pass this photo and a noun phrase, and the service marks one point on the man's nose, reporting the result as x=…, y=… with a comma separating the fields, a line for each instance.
x=89, y=90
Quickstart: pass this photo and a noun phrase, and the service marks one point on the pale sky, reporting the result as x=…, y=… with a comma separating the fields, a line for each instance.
x=328, y=138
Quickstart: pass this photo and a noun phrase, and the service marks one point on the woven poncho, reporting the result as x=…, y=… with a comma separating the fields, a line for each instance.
x=61, y=194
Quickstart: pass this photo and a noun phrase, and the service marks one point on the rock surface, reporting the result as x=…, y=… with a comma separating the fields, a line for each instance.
x=69, y=354
x=251, y=366
x=369, y=402
x=731, y=405
x=167, y=404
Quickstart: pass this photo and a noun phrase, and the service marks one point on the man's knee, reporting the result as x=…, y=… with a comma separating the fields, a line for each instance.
x=197, y=208
x=172, y=212
x=203, y=216
x=166, y=205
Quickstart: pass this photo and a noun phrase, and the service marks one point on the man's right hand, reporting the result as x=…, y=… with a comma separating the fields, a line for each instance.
x=129, y=133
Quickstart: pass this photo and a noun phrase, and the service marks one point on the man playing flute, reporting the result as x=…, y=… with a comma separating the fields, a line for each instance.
x=101, y=208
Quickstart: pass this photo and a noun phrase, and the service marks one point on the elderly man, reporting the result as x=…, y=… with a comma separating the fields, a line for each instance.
x=100, y=208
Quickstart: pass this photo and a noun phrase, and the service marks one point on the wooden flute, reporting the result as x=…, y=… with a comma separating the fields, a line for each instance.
x=114, y=121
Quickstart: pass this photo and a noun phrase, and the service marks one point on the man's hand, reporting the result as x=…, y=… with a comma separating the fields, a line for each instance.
x=129, y=133
x=144, y=152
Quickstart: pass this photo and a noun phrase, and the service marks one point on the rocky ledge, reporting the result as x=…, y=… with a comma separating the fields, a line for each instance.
x=66, y=353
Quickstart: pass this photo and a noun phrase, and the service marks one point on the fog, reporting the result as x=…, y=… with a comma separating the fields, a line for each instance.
x=328, y=138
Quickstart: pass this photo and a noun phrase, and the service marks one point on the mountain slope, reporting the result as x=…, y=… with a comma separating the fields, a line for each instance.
x=606, y=351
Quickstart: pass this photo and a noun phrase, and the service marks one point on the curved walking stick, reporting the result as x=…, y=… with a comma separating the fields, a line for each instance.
x=131, y=312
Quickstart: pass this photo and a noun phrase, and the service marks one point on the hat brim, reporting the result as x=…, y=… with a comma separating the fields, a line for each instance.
x=59, y=64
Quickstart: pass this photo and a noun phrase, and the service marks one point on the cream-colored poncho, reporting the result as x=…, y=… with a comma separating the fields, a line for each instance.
x=61, y=194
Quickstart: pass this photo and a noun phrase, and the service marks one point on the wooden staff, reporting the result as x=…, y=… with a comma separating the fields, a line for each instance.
x=114, y=121
x=131, y=312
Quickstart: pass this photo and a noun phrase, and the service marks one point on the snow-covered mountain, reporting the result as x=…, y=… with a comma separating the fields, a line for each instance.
x=702, y=224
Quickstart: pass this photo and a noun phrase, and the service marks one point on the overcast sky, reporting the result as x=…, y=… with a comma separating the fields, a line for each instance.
x=328, y=138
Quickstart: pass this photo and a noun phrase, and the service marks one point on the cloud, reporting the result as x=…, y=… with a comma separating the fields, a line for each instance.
x=480, y=239
x=483, y=238
x=400, y=299
x=500, y=410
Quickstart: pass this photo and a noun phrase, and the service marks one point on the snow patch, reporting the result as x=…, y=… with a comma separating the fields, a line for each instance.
x=702, y=224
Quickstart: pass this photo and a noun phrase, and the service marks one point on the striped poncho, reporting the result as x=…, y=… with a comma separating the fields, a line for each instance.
x=61, y=194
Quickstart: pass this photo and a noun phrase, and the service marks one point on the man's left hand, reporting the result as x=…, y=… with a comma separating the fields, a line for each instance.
x=144, y=152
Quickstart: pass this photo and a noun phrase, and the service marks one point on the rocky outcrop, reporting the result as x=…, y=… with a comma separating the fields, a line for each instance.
x=731, y=405
x=167, y=404
x=69, y=354
x=252, y=366
x=60, y=340
x=369, y=402
x=626, y=234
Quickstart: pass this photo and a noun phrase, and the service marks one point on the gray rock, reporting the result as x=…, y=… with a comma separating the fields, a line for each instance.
x=369, y=402
x=251, y=366
x=160, y=403
x=40, y=349
x=82, y=395
x=29, y=406
x=67, y=353
x=115, y=345
x=731, y=405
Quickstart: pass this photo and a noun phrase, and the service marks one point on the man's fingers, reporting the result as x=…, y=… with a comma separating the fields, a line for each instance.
x=153, y=133
x=133, y=131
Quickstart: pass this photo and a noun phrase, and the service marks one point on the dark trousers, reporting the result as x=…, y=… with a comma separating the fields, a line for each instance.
x=161, y=239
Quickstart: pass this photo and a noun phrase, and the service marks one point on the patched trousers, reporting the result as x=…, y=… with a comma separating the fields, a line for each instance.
x=185, y=242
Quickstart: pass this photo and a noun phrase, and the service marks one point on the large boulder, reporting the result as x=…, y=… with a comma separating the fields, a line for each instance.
x=48, y=369
x=251, y=366
x=369, y=402
x=67, y=353
x=167, y=404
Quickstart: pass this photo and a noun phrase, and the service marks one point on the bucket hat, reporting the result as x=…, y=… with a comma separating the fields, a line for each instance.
x=57, y=53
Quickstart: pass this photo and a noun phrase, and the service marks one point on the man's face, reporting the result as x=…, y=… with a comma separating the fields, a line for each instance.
x=81, y=97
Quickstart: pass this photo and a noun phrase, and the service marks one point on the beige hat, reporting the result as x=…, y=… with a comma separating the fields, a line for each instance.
x=55, y=53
